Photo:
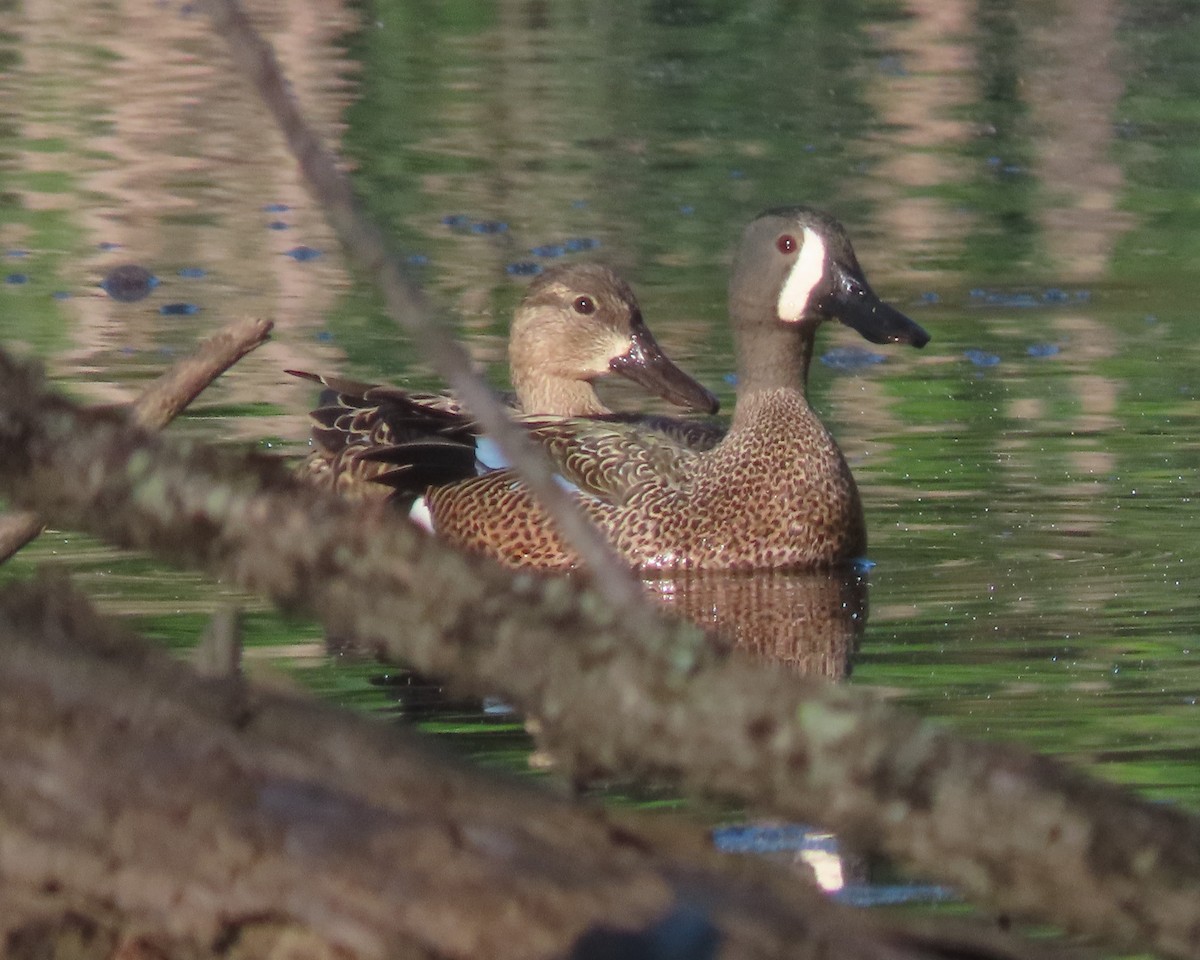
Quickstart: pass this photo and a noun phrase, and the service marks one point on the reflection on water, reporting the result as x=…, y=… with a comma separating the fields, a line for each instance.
x=806, y=622
x=128, y=143
x=1022, y=180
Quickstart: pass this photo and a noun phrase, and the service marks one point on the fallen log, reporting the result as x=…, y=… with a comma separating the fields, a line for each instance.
x=1020, y=832
x=146, y=810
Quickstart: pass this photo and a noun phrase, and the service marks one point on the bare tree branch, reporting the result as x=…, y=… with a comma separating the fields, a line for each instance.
x=159, y=404
x=1021, y=832
x=169, y=395
x=18, y=528
x=213, y=815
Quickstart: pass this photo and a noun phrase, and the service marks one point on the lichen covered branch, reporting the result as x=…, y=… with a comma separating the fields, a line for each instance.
x=1023, y=833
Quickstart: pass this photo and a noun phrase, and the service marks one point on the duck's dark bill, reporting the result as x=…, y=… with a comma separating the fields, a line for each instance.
x=854, y=303
x=645, y=364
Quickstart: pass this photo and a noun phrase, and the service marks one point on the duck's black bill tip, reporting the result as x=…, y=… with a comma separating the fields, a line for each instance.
x=852, y=301
x=879, y=322
x=918, y=337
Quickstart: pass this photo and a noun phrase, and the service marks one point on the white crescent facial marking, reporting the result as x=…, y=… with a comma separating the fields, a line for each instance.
x=805, y=274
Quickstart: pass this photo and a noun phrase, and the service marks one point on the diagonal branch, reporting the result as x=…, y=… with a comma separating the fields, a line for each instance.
x=160, y=403
x=170, y=394
x=407, y=306
x=1022, y=832
x=219, y=812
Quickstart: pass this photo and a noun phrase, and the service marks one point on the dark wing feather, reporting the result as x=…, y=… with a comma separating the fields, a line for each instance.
x=360, y=427
x=408, y=440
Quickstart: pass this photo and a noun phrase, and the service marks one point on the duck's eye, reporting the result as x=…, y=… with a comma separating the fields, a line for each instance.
x=786, y=243
x=584, y=305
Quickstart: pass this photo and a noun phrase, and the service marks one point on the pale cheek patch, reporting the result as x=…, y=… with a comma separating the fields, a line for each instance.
x=618, y=346
x=805, y=274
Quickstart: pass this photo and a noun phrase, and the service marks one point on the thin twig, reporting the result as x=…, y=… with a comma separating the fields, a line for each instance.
x=409, y=309
x=167, y=397
x=160, y=403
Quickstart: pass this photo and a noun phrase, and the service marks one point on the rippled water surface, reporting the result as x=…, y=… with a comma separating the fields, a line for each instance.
x=1022, y=182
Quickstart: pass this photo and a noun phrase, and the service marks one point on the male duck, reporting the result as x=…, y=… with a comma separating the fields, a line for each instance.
x=776, y=492
x=576, y=323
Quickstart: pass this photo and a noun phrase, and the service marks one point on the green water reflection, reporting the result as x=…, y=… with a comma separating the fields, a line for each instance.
x=1022, y=180
x=1032, y=519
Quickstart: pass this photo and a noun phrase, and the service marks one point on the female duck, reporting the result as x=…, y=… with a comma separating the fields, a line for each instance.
x=575, y=324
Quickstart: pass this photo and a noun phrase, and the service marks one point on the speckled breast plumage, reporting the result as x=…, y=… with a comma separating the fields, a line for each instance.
x=776, y=493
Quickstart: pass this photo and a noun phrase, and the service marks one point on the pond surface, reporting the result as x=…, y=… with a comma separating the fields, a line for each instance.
x=1023, y=180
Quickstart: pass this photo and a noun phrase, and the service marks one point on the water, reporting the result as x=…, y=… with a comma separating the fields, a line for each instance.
x=1022, y=182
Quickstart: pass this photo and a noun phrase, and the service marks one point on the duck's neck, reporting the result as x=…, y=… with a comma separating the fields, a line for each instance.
x=557, y=396
x=771, y=357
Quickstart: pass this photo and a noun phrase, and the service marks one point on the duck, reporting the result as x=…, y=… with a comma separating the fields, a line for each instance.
x=774, y=493
x=576, y=323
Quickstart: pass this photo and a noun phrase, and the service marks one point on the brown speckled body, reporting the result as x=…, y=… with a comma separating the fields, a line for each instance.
x=737, y=508
x=775, y=493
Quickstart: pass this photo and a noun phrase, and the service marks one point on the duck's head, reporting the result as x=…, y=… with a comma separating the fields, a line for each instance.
x=579, y=322
x=796, y=266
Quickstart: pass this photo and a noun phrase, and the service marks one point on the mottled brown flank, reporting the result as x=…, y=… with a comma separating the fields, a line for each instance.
x=776, y=493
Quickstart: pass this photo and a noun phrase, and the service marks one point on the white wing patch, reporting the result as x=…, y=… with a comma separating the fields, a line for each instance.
x=488, y=456
x=805, y=274
x=419, y=514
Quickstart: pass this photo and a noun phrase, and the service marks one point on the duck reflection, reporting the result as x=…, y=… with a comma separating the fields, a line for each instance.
x=807, y=621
